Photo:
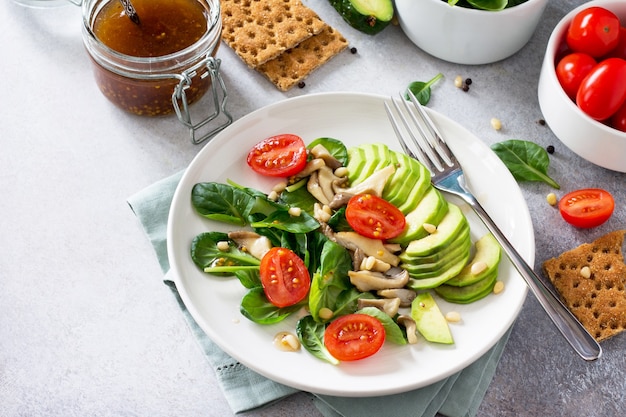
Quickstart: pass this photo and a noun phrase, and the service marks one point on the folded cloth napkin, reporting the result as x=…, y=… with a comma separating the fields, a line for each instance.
x=459, y=395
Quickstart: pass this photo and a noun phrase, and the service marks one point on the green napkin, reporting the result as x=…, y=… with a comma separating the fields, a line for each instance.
x=459, y=395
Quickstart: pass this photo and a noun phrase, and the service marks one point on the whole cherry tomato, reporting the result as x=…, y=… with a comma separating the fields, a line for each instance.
x=572, y=69
x=594, y=30
x=620, y=50
x=618, y=120
x=603, y=91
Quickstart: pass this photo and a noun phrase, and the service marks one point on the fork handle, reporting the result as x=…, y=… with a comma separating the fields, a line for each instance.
x=576, y=335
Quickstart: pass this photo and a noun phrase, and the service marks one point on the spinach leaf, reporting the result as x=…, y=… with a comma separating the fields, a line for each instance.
x=249, y=278
x=421, y=90
x=311, y=335
x=526, y=160
x=210, y=259
x=298, y=197
x=256, y=307
x=490, y=5
x=282, y=220
x=338, y=221
x=222, y=202
x=348, y=301
x=393, y=332
x=330, y=279
x=334, y=146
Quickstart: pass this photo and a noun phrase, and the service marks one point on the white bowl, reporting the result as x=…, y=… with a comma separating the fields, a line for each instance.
x=592, y=140
x=468, y=36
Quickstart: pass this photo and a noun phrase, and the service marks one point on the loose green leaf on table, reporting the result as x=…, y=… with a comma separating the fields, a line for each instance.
x=421, y=90
x=526, y=160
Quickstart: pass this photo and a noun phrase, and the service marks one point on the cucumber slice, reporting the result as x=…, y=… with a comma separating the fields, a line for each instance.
x=368, y=16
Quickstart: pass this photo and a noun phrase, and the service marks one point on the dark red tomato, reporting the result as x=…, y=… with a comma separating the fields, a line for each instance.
x=603, y=91
x=572, y=69
x=373, y=217
x=354, y=337
x=618, y=120
x=620, y=50
x=594, y=31
x=278, y=156
x=589, y=207
x=285, y=278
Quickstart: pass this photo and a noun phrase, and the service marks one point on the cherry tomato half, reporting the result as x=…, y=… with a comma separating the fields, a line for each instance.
x=284, y=277
x=618, y=120
x=594, y=31
x=603, y=91
x=354, y=336
x=373, y=217
x=278, y=156
x=589, y=207
x=572, y=69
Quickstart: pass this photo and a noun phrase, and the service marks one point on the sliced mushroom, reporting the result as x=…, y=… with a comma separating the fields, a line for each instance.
x=374, y=281
x=310, y=167
x=374, y=184
x=405, y=295
x=388, y=306
x=371, y=247
x=251, y=242
x=315, y=188
x=320, y=151
x=326, y=178
x=410, y=326
x=339, y=200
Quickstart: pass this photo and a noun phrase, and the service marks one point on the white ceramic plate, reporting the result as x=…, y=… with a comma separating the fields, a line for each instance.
x=354, y=119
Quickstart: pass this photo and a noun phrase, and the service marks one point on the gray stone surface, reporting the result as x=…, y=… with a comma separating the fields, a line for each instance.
x=87, y=327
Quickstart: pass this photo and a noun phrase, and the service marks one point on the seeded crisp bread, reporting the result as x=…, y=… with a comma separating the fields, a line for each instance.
x=598, y=302
x=294, y=65
x=260, y=30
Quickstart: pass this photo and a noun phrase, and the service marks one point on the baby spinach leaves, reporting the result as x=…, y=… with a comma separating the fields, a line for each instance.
x=526, y=160
x=421, y=90
x=490, y=5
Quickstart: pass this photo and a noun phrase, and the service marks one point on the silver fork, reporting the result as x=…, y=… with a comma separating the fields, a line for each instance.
x=430, y=149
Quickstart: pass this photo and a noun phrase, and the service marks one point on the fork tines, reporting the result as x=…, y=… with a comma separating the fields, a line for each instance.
x=419, y=138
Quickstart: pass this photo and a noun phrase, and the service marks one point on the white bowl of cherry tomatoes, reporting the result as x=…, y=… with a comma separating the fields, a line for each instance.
x=582, y=84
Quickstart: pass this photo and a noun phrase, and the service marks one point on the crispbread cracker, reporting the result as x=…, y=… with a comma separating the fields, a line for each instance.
x=260, y=30
x=598, y=302
x=296, y=64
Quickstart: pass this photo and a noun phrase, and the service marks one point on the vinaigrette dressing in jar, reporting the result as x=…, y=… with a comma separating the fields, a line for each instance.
x=161, y=65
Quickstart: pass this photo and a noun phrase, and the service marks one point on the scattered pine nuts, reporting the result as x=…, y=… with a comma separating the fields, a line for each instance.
x=287, y=342
x=273, y=195
x=453, y=316
x=280, y=187
x=341, y=172
x=499, y=287
x=295, y=211
x=223, y=246
x=430, y=228
x=478, y=267
x=325, y=313
x=585, y=272
x=496, y=123
x=551, y=199
x=458, y=81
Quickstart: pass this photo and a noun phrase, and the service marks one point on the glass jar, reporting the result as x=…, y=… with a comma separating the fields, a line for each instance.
x=162, y=84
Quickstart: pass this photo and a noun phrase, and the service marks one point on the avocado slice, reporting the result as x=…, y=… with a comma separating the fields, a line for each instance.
x=409, y=184
x=448, y=229
x=429, y=320
x=368, y=16
x=428, y=280
x=438, y=266
x=469, y=293
x=488, y=251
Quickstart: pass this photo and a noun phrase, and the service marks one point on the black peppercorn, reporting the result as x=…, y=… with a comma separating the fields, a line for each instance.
x=468, y=81
x=301, y=84
x=353, y=50
x=550, y=149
